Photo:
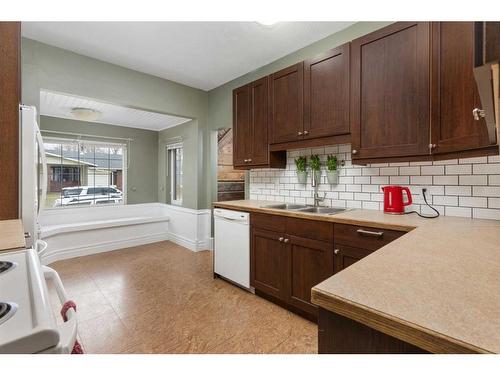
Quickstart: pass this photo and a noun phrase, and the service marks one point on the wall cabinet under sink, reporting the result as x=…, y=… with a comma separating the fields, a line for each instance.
x=289, y=256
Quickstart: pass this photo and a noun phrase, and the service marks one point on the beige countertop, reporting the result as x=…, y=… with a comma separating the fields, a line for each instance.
x=11, y=235
x=437, y=287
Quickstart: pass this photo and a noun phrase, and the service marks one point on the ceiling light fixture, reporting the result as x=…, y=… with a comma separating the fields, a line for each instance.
x=85, y=114
x=267, y=22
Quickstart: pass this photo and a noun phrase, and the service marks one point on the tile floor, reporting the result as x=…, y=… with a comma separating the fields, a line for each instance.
x=162, y=298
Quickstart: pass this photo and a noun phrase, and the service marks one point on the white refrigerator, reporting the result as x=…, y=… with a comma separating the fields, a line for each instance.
x=33, y=176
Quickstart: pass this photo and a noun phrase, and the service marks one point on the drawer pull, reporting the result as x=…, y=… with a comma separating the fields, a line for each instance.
x=336, y=251
x=280, y=239
x=370, y=233
x=286, y=240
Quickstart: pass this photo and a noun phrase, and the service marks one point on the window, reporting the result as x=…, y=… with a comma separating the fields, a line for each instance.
x=82, y=173
x=175, y=156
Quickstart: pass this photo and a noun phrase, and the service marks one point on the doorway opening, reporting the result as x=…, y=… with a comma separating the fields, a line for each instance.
x=230, y=182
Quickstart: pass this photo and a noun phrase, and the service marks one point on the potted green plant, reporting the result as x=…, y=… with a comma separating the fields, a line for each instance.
x=315, y=164
x=301, y=164
x=332, y=174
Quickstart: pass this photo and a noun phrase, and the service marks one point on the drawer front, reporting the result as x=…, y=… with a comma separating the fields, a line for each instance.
x=364, y=237
x=273, y=223
x=316, y=230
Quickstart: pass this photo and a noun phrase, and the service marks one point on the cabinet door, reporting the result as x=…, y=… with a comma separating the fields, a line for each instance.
x=10, y=97
x=286, y=104
x=268, y=267
x=390, y=91
x=455, y=93
x=310, y=262
x=344, y=256
x=242, y=126
x=326, y=94
x=260, y=116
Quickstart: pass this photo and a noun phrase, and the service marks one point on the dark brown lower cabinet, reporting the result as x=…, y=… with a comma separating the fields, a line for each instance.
x=289, y=256
x=346, y=256
x=285, y=267
x=340, y=335
x=311, y=262
x=269, y=262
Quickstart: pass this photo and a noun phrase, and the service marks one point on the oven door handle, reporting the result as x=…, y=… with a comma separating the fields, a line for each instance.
x=68, y=329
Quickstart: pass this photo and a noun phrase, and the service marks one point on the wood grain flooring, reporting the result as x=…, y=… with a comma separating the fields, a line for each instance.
x=162, y=298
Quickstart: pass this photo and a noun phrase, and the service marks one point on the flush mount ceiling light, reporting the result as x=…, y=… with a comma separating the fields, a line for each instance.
x=85, y=114
x=268, y=23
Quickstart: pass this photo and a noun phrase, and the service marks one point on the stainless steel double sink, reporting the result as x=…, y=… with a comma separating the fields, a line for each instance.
x=306, y=208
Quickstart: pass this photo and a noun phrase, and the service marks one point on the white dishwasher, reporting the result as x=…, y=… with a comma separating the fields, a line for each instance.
x=232, y=246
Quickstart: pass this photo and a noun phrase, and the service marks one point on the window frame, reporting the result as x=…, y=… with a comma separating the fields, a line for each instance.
x=124, y=146
x=172, y=150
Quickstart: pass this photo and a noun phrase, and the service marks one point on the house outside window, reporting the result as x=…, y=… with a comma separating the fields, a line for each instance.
x=82, y=173
x=175, y=172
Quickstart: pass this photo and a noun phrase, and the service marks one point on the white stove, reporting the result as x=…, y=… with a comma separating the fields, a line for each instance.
x=27, y=322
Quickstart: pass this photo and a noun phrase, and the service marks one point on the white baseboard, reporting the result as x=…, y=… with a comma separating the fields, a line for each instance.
x=193, y=245
x=79, y=251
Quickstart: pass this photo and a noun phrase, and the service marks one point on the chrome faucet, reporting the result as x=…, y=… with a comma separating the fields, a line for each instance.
x=317, y=198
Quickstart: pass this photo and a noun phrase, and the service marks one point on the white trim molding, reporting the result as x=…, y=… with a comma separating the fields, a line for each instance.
x=190, y=228
x=84, y=231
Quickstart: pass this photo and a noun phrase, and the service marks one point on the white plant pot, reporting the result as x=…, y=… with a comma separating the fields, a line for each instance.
x=302, y=177
x=333, y=177
x=317, y=176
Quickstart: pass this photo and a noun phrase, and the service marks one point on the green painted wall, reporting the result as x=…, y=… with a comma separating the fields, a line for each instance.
x=55, y=69
x=59, y=70
x=220, y=98
x=190, y=139
x=142, y=176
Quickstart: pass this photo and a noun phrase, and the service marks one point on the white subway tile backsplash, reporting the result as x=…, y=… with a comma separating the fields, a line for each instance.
x=486, y=191
x=409, y=171
x=486, y=213
x=445, y=180
x=473, y=180
x=466, y=187
x=389, y=171
x=432, y=170
x=458, y=169
x=472, y=202
x=486, y=169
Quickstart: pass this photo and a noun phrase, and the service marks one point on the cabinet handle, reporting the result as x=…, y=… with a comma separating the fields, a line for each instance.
x=286, y=240
x=299, y=133
x=249, y=160
x=280, y=239
x=370, y=233
x=336, y=251
x=477, y=113
x=432, y=146
x=354, y=151
x=306, y=132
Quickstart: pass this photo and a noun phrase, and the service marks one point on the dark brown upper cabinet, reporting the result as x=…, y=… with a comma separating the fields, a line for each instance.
x=326, y=94
x=250, y=127
x=390, y=92
x=286, y=103
x=454, y=91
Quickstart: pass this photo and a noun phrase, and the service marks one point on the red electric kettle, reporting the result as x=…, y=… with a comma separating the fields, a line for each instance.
x=393, y=199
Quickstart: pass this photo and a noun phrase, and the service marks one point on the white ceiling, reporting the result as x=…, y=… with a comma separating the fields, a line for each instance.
x=198, y=54
x=60, y=105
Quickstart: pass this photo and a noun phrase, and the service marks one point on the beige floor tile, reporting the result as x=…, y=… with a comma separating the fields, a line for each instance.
x=162, y=298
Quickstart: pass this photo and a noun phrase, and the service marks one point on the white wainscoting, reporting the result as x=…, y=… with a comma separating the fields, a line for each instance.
x=190, y=228
x=80, y=231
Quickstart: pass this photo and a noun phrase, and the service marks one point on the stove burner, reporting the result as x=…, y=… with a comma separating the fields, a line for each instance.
x=5, y=266
x=7, y=309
